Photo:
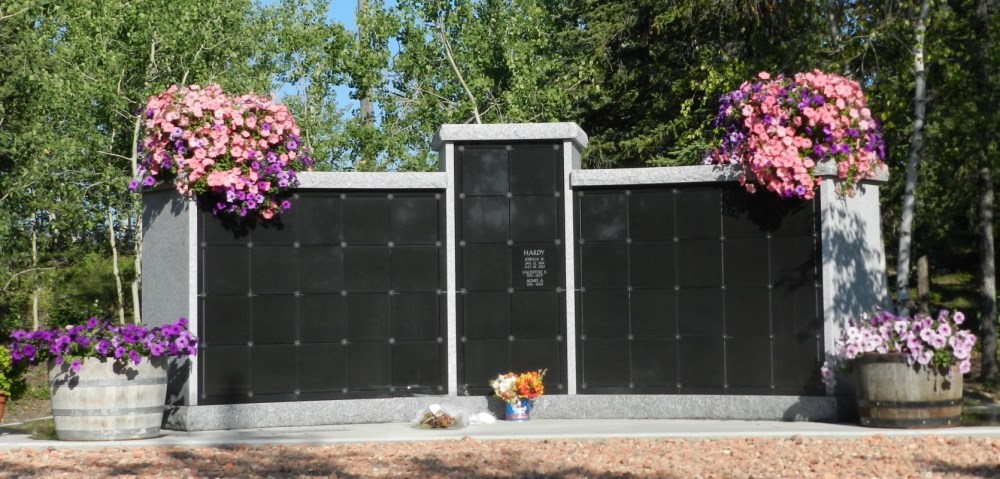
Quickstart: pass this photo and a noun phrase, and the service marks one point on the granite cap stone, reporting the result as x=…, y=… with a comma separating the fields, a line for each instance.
x=375, y=180
x=509, y=132
x=655, y=175
x=827, y=168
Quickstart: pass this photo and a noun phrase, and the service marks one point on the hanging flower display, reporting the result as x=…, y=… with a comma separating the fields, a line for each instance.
x=779, y=129
x=239, y=153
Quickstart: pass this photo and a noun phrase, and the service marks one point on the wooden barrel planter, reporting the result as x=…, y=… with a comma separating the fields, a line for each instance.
x=894, y=394
x=108, y=401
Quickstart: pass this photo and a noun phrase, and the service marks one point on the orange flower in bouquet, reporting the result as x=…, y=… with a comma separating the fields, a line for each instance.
x=529, y=384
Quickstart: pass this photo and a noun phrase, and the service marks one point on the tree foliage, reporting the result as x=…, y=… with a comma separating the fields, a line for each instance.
x=74, y=77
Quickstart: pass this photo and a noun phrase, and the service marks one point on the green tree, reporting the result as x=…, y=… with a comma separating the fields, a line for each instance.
x=661, y=66
x=503, y=51
x=74, y=77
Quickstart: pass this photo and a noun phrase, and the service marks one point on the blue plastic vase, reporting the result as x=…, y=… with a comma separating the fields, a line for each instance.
x=518, y=411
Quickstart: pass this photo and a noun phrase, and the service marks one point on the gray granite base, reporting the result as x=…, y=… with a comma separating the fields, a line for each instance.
x=367, y=411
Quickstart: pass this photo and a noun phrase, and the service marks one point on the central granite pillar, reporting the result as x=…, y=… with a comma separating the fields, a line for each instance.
x=513, y=285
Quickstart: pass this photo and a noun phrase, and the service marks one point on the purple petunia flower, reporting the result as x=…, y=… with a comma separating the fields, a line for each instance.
x=75, y=365
x=133, y=185
x=148, y=181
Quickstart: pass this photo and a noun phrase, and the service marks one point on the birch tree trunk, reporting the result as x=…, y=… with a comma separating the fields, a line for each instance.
x=114, y=267
x=34, y=275
x=458, y=73
x=137, y=204
x=137, y=215
x=988, y=286
x=987, y=258
x=912, y=163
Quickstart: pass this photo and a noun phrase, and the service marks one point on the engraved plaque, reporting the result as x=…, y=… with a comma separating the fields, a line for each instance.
x=533, y=266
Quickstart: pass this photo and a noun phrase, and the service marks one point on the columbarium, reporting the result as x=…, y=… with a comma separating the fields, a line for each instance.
x=645, y=292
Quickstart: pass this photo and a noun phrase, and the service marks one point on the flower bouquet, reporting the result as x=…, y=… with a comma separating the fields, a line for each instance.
x=925, y=341
x=779, y=129
x=517, y=390
x=241, y=153
x=437, y=416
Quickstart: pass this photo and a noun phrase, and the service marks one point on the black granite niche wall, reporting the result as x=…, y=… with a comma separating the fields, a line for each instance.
x=341, y=299
x=697, y=289
x=510, y=263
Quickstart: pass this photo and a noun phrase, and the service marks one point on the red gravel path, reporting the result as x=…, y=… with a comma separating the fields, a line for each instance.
x=874, y=457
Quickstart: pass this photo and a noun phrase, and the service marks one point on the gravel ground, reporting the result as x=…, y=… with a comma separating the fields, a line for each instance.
x=873, y=457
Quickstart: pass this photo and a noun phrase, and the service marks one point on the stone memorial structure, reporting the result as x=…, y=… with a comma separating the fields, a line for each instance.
x=645, y=293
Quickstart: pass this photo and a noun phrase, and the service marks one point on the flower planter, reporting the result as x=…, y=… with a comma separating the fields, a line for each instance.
x=894, y=394
x=3, y=405
x=107, y=400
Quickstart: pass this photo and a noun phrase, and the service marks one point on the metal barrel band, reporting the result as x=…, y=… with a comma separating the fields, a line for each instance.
x=911, y=423
x=117, y=434
x=132, y=411
x=145, y=381
x=909, y=404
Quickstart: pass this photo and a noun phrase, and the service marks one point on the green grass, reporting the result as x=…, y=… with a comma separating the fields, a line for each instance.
x=954, y=282
x=958, y=290
x=44, y=429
